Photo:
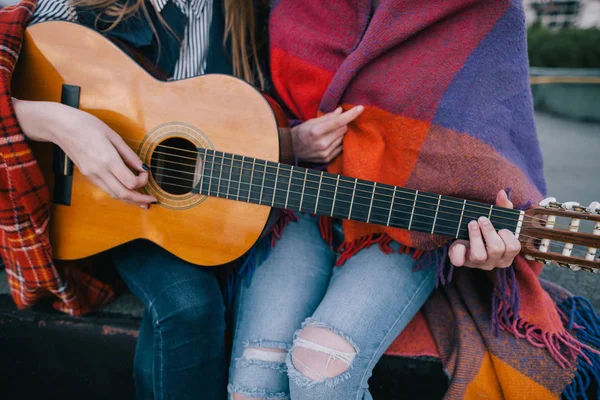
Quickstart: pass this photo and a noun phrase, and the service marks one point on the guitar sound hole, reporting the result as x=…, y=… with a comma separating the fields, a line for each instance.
x=174, y=164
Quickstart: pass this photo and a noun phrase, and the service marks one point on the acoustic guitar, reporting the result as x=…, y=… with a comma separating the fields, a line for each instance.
x=215, y=145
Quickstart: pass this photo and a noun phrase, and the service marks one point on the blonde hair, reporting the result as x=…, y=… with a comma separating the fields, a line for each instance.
x=240, y=29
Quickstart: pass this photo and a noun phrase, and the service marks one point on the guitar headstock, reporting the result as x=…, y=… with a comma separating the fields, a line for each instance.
x=566, y=234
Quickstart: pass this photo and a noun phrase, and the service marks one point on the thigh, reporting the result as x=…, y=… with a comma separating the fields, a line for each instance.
x=163, y=281
x=287, y=286
x=182, y=339
x=283, y=291
x=369, y=301
x=373, y=293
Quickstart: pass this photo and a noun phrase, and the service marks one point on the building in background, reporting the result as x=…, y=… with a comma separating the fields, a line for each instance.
x=563, y=13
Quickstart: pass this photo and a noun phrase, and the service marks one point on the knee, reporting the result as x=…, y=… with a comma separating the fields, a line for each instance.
x=187, y=309
x=319, y=354
x=193, y=316
x=267, y=360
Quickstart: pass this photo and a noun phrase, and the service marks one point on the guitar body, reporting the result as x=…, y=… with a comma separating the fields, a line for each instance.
x=214, y=111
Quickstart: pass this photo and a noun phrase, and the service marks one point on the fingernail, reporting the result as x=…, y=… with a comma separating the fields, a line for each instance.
x=360, y=109
x=145, y=167
x=484, y=221
x=473, y=225
x=143, y=206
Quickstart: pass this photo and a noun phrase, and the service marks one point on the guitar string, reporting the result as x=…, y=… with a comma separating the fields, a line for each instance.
x=349, y=180
x=513, y=213
x=581, y=248
x=487, y=208
x=289, y=190
x=285, y=166
x=526, y=218
x=338, y=200
x=343, y=177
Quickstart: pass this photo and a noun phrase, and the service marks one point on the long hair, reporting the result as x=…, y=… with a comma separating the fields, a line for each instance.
x=240, y=29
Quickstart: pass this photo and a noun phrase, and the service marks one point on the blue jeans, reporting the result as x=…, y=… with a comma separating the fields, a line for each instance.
x=180, y=351
x=366, y=303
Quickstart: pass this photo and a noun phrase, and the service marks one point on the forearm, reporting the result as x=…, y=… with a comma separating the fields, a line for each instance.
x=35, y=119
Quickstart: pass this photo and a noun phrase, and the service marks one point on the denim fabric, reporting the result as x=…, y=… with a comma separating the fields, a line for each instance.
x=180, y=350
x=368, y=301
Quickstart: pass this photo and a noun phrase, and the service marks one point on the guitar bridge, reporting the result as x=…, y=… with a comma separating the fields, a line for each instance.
x=62, y=165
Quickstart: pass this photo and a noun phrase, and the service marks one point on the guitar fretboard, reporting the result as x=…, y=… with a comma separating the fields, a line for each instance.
x=242, y=178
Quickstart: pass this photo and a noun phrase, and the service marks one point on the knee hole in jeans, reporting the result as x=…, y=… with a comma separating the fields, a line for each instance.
x=261, y=356
x=265, y=354
x=318, y=353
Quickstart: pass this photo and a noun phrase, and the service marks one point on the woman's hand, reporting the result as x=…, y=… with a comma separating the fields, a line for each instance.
x=319, y=140
x=98, y=152
x=486, y=249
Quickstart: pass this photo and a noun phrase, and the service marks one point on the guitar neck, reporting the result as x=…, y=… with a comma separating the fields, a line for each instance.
x=247, y=179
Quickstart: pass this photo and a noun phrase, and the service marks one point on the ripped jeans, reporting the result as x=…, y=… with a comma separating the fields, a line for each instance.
x=305, y=329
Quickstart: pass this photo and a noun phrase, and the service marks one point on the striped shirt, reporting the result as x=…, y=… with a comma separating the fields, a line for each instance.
x=194, y=48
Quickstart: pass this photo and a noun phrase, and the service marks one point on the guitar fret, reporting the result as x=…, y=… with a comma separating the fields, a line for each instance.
x=240, y=184
x=303, y=188
x=230, y=175
x=262, y=185
x=210, y=176
x=220, y=177
x=202, y=172
x=391, y=206
x=490, y=214
x=372, y=198
x=287, y=195
x=337, y=182
x=522, y=217
x=275, y=186
x=412, y=213
x=251, y=180
x=352, y=199
x=318, y=192
x=437, y=210
x=448, y=215
x=503, y=219
x=461, y=218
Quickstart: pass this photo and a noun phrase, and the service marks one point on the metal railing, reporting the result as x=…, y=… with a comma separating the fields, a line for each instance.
x=541, y=76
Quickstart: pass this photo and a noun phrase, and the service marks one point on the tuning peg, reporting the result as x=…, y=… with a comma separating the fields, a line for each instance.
x=571, y=206
x=575, y=267
x=592, y=270
x=550, y=202
x=593, y=208
x=547, y=201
